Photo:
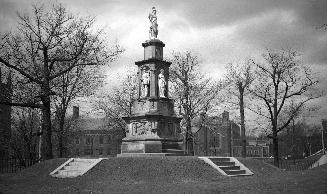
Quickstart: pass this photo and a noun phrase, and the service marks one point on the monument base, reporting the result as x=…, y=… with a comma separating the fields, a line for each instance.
x=139, y=146
x=143, y=155
x=150, y=147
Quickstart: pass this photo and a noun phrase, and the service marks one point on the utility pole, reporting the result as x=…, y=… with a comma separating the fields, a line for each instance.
x=231, y=137
x=205, y=140
x=324, y=126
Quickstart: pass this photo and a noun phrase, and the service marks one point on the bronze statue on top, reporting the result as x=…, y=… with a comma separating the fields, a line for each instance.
x=153, y=33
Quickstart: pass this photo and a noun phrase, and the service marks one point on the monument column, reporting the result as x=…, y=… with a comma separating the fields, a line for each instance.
x=153, y=127
x=153, y=88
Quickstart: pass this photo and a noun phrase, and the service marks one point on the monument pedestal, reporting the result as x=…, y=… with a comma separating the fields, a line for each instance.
x=141, y=146
x=153, y=128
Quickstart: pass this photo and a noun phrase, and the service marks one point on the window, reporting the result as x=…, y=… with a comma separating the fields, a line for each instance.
x=100, y=139
x=108, y=139
x=77, y=152
x=77, y=140
x=89, y=140
x=88, y=151
x=100, y=151
x=108, y=151
x=215, y=140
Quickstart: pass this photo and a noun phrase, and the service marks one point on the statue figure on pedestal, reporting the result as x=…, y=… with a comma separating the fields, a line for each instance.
x=153, y=33
x=145, y=83
x=162, y=84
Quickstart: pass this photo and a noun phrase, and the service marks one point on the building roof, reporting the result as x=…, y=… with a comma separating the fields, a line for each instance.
x=92, y=124
x=213, y=123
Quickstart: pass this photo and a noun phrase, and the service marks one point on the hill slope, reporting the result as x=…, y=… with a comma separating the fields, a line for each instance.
x=163, y=175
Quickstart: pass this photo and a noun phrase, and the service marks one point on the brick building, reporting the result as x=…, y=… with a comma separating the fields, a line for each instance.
x=221, y=137
x=5, y=115
x=254, y=148
x=217, y=137
x=92, y=137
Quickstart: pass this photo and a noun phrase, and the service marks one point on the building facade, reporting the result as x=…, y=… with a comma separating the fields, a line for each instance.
x=256, y=150
x=92, y=137
x=221, y=137
x=217, y=137
x=95, y=143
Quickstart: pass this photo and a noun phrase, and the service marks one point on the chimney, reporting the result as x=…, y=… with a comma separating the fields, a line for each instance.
x=75, y=112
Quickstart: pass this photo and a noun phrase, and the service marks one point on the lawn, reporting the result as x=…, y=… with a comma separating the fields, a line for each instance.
x=164, y=175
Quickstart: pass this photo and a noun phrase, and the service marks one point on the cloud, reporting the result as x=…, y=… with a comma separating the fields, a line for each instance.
x=218, y=31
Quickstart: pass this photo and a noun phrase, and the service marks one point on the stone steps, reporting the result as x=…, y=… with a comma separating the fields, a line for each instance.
x=70, y=173
x=220, y=159
x=74, y=167
x=224, y=168
x=80, y=163
x=224, y=163
x=235, y=172
x=228, y=166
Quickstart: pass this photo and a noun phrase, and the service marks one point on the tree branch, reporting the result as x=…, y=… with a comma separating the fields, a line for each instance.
x=29, y=105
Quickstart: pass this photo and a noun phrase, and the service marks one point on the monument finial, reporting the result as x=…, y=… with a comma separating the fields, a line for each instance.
x=153, y=33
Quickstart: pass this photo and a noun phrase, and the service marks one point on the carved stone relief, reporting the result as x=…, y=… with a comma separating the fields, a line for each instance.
x=153, y=105
x=143, y=128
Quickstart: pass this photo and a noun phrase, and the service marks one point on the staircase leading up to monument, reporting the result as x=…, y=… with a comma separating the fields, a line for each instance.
x=228, y=166
x=75, y=167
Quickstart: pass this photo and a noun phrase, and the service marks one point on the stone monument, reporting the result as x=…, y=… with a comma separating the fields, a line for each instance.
x=153, y=128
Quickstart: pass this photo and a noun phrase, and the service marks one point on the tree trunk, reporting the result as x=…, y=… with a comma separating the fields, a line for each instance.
x=293, y=140
x=46, y=109
x=189, y=138
x=60, y=143
x=46, y=129
x=61, y=147
x=275, y=148
x=275, y=124
x=241, y=91
x=206, y=142
x=189, y=135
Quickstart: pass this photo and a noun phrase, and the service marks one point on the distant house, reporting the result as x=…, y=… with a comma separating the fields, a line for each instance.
x=217, y=136
x=92, y=137
x=254, y=148
x=221, y=137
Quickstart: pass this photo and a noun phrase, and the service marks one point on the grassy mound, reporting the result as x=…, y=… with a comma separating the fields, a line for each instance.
x=259, y=168
x=166, y=169
x=162, y=175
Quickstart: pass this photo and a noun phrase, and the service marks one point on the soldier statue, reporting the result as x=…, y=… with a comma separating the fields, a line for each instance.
x=153, y=33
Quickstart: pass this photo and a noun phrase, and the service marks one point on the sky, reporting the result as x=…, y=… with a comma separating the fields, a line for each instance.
x=219, y=32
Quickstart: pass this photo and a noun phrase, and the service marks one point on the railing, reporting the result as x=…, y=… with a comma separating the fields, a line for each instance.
x=293, y=164
x=12, y=165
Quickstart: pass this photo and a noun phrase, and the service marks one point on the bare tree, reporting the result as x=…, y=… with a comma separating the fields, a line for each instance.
x=280, y=81
x=47, y=45
x=118, y=102
x=25, y=133
x=240, y=79
x=82, y=80
x=194, y=93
